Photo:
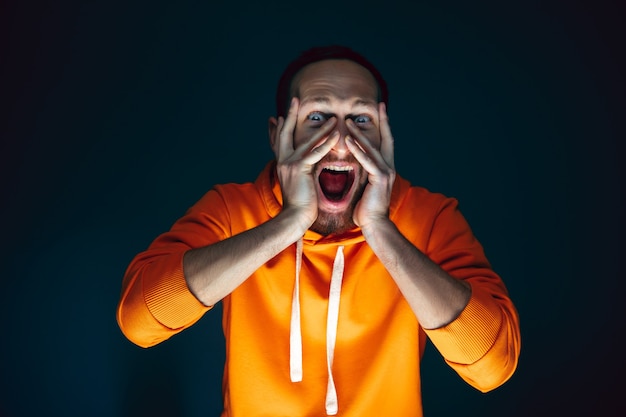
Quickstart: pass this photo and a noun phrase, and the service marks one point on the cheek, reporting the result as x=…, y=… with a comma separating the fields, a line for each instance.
x=300, y=136
x=374, y=139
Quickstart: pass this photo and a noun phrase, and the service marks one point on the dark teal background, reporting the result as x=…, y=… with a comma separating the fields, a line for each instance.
x=116, y=117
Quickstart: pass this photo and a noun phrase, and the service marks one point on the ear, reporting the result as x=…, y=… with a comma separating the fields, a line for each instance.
x=272, y=129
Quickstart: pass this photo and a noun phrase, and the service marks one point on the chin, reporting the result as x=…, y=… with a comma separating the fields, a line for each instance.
x=333, y=223
x=328, y=223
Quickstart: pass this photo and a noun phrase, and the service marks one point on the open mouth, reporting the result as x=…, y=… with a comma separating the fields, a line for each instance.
x=336, y=182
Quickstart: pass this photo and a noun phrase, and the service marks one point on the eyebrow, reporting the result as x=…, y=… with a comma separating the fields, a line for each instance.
x=326, y=100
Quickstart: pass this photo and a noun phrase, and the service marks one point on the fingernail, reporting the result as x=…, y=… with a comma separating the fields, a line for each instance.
x=293, y=102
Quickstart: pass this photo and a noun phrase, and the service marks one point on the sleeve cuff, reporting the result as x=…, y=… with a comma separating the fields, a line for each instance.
x=168, y=297
x=470, y=336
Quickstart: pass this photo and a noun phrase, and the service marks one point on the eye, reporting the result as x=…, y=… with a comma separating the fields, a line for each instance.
x=317, y=118
x=361, y=120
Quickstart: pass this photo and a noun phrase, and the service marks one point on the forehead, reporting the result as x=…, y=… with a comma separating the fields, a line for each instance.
x=337, y=80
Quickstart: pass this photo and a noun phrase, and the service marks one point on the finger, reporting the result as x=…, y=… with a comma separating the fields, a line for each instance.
x=286, y=132
x=386, y=144
x=315, y=140
x=321, y=150
x=363, y=142
x=276, y=145
x=361, y=155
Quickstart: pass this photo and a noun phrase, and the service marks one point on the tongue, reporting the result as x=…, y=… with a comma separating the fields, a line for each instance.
x=333, y=183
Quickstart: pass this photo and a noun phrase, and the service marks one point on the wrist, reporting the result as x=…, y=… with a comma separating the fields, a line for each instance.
x=297, y=219
x=376, y=226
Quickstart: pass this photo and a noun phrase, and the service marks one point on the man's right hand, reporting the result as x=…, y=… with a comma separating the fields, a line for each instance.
x=296, y=162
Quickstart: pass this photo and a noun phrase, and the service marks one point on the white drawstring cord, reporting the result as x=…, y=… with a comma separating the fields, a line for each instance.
x=295, y=335
x=331, y=329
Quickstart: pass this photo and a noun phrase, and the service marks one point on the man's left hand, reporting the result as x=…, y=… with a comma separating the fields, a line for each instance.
x=379, y=164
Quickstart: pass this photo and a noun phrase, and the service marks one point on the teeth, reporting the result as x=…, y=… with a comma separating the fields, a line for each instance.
x=338, y=168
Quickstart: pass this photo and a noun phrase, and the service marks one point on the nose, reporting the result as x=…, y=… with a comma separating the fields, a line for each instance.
x=341, y=147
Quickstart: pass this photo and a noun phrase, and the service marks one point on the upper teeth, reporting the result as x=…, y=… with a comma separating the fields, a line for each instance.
x=339, y=168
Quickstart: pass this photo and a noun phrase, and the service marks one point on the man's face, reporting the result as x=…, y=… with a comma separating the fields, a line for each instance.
x=345, y=90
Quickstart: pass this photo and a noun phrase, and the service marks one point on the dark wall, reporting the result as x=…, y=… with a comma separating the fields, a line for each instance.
x=117, y=117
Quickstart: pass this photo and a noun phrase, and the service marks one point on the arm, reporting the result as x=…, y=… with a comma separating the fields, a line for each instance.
x=434, y=296
x=459, y=301
x=212, y=272
x=215, y=271
x=159, y=299
x=185, y=271
x=479, y=336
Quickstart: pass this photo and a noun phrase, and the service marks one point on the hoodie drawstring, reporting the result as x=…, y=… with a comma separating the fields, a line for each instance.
x=331, y=328
x=295, y=337
x=295, y=334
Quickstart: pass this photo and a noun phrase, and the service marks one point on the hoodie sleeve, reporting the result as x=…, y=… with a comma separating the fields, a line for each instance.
x=155, y=302
x=483, y=343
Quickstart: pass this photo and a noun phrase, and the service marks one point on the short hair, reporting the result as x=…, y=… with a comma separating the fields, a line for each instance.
x=321, y=53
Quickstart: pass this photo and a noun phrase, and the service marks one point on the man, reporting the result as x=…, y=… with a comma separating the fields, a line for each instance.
x=331, y=269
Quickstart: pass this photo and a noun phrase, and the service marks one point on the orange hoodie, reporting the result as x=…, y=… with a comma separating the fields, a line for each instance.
x=363, y=362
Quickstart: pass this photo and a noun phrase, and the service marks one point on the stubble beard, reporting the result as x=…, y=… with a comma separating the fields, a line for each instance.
x=338, y=223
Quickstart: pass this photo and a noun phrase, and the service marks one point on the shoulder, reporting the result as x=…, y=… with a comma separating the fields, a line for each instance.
x=421, y=214
x=228, y=197
x=408, y=199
